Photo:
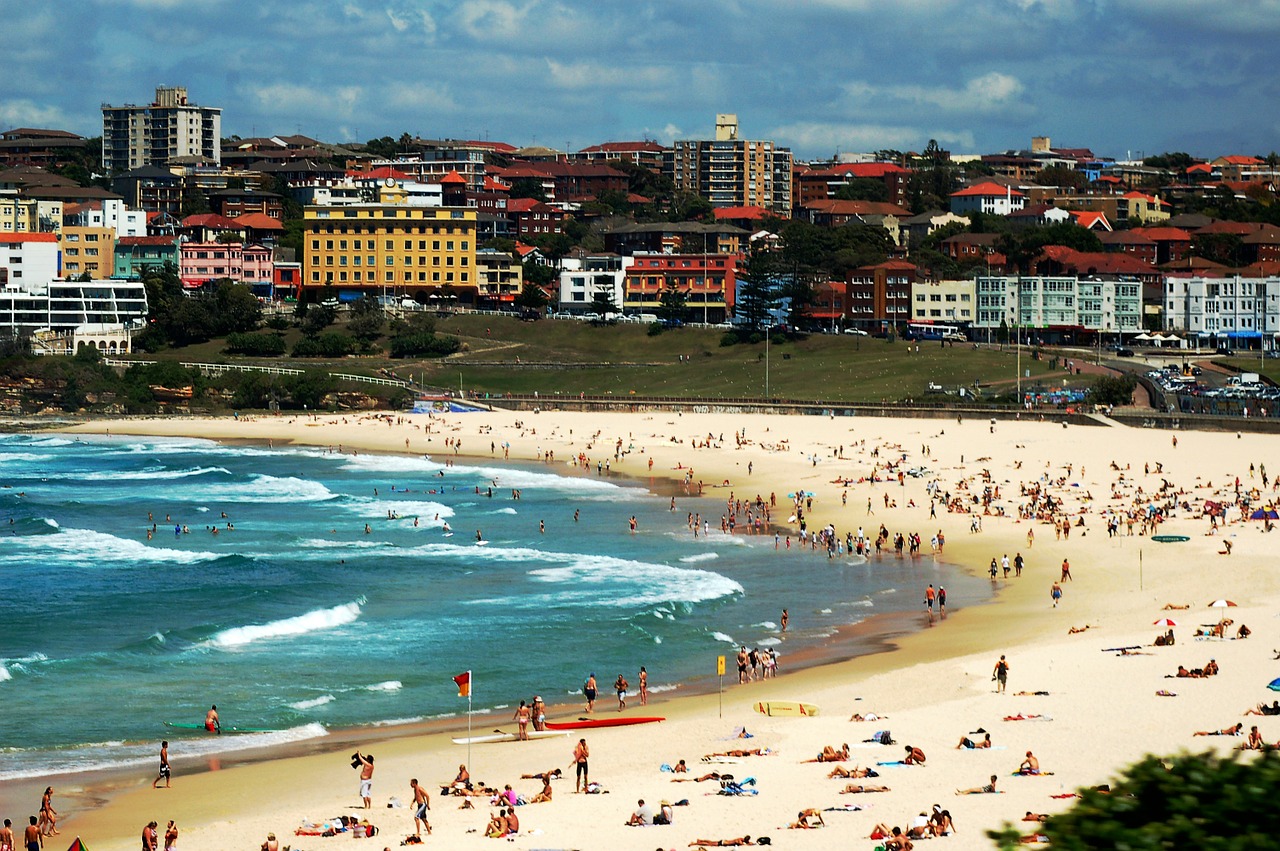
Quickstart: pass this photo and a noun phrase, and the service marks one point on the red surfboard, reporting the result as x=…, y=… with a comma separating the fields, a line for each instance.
x=589, y=723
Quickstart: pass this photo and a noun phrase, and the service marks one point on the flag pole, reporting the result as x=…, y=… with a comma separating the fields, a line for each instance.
x=470, y=688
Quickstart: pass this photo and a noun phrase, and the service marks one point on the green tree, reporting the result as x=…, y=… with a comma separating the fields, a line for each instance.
x=1224, y=248
x=1062, y=177
x=234, y=308
x=602, y=303
x=194, y=201
x=863, y=189
x=1202, y=801
x=318, y=317
x=531, y=297
x=672, y=304
x=554, y=246
x=1112, y=390
x=687, y=207
x=528, y=187
x=538, y=274
x=367, y=320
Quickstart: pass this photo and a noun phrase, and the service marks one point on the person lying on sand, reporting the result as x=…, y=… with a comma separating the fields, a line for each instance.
x=870, y=716
x=1236, y=730
x=966, y=742
x=1078, y=629
x=721, y=843
x=989, y=789
x=805, y=820
x=853, y=773
x=1263, y=709
x=715, y=775
x=858, y=788
x=736, y=752
x=552, y=774
x=830, y=754
x=1021, y=717
x=1040, y=817
x=1170, y=607
x=1031, y=694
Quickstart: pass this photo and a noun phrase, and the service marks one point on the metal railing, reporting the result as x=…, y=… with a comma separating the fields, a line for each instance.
x=369, y=379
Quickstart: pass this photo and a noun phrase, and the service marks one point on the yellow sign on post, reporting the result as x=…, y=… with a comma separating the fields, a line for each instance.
x=720, y=665
x=720, y=672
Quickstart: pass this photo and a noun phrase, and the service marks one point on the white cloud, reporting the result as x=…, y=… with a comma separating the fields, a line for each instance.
x=984, y=94
x=593, y=75
x=419, y=20
x=823, y=138
x=493, y=19
x=416, y=96
x=25, y=113
x=286, y=100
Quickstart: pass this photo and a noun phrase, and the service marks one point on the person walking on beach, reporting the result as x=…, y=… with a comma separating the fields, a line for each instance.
x=929, y=596
x=742, y=664
x=48, y=815
x=34, y=840
x=1066, y=571
x=1017, y=564
x=589, y=692
x=421, y=803
x=785, y=619
x=366, y=779
x=620, y=686
x=643, y=683
x=942, y=599
x=1001, y=674
x=522, y=718
x=164, y=766
x=1056, y=593
x=579, y=764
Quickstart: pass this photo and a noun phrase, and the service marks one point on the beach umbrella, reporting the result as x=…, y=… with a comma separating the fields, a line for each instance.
x=1166, y=622
x=1220, y=604
x=1274, y=685
x=1264, y=514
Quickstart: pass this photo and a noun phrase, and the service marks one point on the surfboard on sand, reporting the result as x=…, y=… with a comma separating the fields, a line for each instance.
x=785, y=707
x=1170, y=539
x=594, y=723
x=499, y=736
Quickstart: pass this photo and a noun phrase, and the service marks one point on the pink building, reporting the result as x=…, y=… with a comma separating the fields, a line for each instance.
x=202, y=262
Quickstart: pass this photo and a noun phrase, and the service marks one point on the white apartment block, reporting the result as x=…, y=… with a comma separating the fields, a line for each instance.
x=169, y=127
x=1059, y=304
x=1239, y=309
x=944, y=302
x=596, y=273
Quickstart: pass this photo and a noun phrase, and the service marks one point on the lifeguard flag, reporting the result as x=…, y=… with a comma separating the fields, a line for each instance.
x=78, y=846
x=464, y=684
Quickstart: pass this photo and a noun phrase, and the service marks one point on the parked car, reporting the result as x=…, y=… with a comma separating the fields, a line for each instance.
x=857, y=332
x=1122, y=352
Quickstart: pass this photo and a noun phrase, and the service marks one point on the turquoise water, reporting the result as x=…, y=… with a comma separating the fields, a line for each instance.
x=298, y=621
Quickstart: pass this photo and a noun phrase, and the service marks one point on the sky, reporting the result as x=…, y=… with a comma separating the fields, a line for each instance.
x=1126, y=78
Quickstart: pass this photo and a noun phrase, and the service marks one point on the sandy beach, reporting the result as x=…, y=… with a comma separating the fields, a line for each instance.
x=1096, y=709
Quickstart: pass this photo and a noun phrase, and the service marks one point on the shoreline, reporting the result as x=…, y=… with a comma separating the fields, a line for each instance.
x=933, y=682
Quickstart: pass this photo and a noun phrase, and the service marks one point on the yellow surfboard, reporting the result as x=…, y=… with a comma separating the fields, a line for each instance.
x=785, y=707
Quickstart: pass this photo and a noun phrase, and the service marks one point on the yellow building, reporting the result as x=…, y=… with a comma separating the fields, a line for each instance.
x=29, y=215
x=373, y=247
x=86, y=249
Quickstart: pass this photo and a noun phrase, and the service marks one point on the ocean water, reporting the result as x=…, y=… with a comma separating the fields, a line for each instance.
x=299, y=621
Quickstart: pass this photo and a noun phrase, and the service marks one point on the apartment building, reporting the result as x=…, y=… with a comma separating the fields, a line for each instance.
x=367, y=247
x=732, y=172
x=134, y=255
x=1241, y=310
x=879, y=296
x=165, y=129
x=87, y=251
x=707, y=280
x=499, y=276
x=1060, y=308
x=943, y=302
x=28, y=259
x=595, y=273
x=987, y=198
x=201, y=263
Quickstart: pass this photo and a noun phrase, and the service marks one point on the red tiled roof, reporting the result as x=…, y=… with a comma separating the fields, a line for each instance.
x=1109, y=178
x=986, y=188
x=1164, y=234
x=836, y=207
x=1096, y=262
x=379, y=174
x=453, y=179
x=525, y=250
x=1142, y=196
x=1235, y=228
x=496, y=147
x=1089, y=218
x=740, y=212
x=526, y=205
x=258, y=221
x=1125, y=237
x=1200, y=168
x=516, y=172
x=210, y=220
x=622, y=147
x=1240, y=159
x=148, y=240
x=14, y=236
x=871, y=170
x=492, y=184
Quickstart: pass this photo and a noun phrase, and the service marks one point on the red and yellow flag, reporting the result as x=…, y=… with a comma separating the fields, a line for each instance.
x=464, y=684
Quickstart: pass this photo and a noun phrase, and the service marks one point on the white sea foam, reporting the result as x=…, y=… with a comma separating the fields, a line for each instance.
x=407, y=509
x=507, y=477
x=767, y=625
x=267, y=489
x=148, y=475
x=399, y=722
x=389, y=685
x=824, y=611
x=313, y=702
x=504, y=511
x=768, y=642
x=324, y=543
x=608, y=581
x=389, y=464
x=313, y=621
x=662, y=688
x=4, y=674
x=727, y=639
x=85, y=547
x=101, y=756
x=694, y=559
x=9, y=457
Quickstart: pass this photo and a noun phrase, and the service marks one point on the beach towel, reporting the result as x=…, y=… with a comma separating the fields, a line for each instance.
x=894, y=762
x=846, y=808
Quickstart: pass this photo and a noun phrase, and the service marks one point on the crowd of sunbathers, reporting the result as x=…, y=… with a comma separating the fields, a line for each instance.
x=1209, y=670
